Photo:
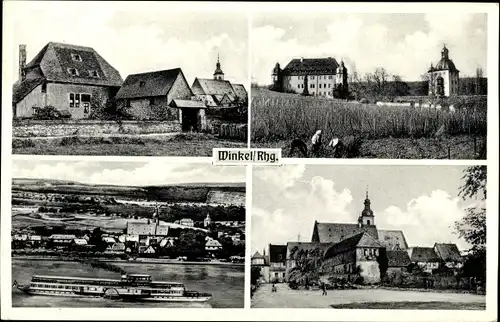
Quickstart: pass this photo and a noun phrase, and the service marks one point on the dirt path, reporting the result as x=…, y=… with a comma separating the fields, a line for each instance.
x=288, y=298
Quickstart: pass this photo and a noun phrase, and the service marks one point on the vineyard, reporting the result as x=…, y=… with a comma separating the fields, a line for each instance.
x=277, y=118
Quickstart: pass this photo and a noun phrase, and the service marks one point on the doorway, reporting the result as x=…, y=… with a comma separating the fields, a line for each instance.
x=190, y=119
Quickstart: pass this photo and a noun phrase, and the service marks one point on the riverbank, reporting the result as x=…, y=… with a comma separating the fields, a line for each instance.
x=136, y=261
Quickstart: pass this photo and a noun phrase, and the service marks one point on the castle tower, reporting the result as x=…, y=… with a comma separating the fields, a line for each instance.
x=218, y=73
x=367, y=218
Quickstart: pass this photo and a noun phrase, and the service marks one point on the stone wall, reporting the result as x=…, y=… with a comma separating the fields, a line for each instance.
x=46, y=128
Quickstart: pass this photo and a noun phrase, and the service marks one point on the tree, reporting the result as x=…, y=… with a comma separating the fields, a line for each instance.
x=307, y=265
x=191, y=243
x=472, y=227
x=96, y=239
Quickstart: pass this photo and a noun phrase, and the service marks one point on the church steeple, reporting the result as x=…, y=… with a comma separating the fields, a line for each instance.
x=444, y=52
x=367, y=218
x=218, y=73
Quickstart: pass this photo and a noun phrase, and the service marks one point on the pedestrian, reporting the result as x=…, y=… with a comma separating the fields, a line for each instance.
x=323, y=287
x=273, y=289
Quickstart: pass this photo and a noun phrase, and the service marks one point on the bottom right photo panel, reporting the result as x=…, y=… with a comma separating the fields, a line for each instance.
x=369, y=237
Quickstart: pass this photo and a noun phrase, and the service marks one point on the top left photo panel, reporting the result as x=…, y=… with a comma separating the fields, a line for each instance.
x=126, y=79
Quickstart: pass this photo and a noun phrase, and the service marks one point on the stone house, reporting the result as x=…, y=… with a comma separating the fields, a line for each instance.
x=213, y=246
x=73, y=79
x=213, y=93
x=186, y=222
x=425, y=257
x=147, y=96
x=353, y=257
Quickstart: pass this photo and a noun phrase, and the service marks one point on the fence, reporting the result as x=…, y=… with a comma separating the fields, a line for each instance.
x=233, y=131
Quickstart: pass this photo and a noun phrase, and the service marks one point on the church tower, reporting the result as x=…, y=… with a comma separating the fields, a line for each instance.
x=276, y=77
x=218, y=73
x=207, y=221
x=341, y=80
x=367, y=218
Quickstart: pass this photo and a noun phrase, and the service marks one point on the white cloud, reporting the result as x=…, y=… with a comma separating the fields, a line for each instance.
x=370, y=45
x=427, y=219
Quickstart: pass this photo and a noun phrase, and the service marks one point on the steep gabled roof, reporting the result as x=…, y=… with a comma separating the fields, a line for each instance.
x=336, y=232
x=213, y=87
x=55, y=59
x=423, y=254
x=257, y=255
x=311, y=66
x=187, y=104
x=448, y=252
x=149, y=84
x=277, y=253
x=392, y=239
x=240, y=91
x=360, y=240
x=398, y=258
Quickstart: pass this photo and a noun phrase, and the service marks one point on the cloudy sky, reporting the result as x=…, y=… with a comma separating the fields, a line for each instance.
x=405, y=44
x=128, y=173
x=420, y=200
x=134, y=37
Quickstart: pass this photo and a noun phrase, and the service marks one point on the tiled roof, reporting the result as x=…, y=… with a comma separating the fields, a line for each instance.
x=423, y=254
x=55, y=59
x=311, y=66
x=149, y=84
x=336, y=232
x=447, y=252
x=360, y=240
x=398, y=258
x=213, y=87
x=392, y=239
x=277, y=253
x=21, y=89
x=305, y=246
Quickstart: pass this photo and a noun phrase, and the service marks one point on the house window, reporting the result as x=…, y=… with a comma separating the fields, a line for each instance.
x=312, y=77
x=76, y=57
x=365, y=251
x=77, y=100
x=71, y=100
x=330, y=77
x=44, y=87
x=152, y=101
x=329, y=85
x=376, y=252
x=85, y=102
x=319, y=85
x=94, y=73
x=73, y=71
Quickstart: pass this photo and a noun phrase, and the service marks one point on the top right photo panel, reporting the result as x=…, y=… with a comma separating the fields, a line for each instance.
x=385, y=86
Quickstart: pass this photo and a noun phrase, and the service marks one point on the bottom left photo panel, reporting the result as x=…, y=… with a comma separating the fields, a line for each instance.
x=127, y=234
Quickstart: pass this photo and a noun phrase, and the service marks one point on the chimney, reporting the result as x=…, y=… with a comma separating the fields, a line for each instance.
x=22, y=61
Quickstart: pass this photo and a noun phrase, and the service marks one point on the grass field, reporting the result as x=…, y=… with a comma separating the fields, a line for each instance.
x=278, y=118
x=176, y=145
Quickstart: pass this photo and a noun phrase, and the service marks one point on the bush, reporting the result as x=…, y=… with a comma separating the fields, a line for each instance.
x=50, y=113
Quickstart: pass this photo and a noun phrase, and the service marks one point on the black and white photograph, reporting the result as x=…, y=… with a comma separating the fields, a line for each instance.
x=127, y=79
x=369, y=237
x=378, y=85
x=127, y=234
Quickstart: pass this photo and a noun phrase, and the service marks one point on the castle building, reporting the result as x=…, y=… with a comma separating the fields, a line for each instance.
x=444, y=77
x=311, y=76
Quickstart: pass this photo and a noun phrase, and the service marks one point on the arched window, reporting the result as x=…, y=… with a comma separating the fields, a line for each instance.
x=440, y=85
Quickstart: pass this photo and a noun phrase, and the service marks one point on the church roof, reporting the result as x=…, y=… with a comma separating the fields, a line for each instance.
x=277, y=253
x=398, y=258
x=312, y=66
x=447, y=252
x=445, y=64
x=392, y=239
x=360, y=240
x=240, y=91
x=336, y=232
x=305, y=246
x=423, y=254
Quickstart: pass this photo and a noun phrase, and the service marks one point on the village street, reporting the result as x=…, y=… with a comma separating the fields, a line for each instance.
x=288, y=298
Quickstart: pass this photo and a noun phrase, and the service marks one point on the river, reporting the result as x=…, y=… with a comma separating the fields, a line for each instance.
x=225, y=283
